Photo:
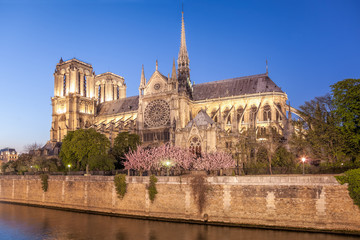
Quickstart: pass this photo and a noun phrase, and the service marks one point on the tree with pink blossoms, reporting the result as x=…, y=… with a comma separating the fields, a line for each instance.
x=214, y=161
x=141, y=160
x=169, y=157
x=174, y=157
x=154, y=159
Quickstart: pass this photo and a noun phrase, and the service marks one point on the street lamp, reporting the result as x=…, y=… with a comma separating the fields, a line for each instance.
x=69, y=166
x=303, y=161
x=167, y=163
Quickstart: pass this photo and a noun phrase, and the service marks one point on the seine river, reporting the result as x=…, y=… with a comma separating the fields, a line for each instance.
x=23, y=222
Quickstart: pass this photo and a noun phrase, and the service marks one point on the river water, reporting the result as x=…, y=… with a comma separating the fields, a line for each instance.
x=23, y=222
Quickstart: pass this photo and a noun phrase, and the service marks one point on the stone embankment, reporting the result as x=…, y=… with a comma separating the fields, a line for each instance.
x=312, y=203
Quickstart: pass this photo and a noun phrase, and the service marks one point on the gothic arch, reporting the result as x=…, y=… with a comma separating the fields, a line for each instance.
x=267, y=113
x=253, y=111
x=62, y=118
x=81, y=122
x=239, y=113
x=195, y=145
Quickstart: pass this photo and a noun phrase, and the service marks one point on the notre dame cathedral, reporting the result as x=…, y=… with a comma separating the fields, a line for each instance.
x=169, y=109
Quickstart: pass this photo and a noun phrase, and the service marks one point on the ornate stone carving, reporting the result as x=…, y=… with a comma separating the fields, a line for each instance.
x=157, y=113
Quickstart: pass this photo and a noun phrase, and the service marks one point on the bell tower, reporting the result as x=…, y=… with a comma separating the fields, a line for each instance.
x=74, y=101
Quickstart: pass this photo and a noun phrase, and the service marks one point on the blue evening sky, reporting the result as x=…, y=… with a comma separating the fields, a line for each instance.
x=309, y=46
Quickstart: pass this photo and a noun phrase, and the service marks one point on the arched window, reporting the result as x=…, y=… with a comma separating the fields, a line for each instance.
x=225, y=113
x=278, y=115
x=262, y=131
x=253, y=114
x=267, y=113
x=195, y=146
x=228, y=122
x=85, y=85
x=240, y=112
x=64, y=85
x=81, y=123
x=78, y=83
x=213, y=113
x=99, y=93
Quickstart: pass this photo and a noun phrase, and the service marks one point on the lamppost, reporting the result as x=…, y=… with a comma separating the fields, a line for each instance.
x=303, y=159
x=69, y=166
x=167, y=163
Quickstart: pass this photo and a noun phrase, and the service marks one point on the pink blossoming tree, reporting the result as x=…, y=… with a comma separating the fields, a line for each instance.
x=170, y=157
x=214, y=161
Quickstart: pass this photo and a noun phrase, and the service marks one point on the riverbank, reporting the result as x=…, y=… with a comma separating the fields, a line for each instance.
x=293, y=202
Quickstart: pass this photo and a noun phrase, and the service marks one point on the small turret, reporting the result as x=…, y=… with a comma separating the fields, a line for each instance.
x=173, y=72
x=142, y=82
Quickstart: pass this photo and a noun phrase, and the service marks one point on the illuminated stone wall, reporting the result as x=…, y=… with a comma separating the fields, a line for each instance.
x=297, y=202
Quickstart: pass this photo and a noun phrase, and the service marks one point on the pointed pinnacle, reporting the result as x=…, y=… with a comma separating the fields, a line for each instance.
x=143, y=79
x=173, y=73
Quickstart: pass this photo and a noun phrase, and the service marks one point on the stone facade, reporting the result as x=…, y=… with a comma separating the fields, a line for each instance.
x=168, y=109
x=8, y=154
x=315, y=203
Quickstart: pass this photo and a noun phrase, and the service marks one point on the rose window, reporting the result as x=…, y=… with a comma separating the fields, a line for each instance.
x=157, y=113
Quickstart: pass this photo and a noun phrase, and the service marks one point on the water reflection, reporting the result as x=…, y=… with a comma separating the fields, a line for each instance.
x=22, y=222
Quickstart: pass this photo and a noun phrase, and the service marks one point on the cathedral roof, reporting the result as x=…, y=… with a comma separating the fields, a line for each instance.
x=260, y=83
x=73, y=60
x=109, y=74
x=201, y=119
x=119, y=106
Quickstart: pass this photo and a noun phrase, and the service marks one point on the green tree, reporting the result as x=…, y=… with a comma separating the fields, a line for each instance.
x=123, y=143
x=284, y=159
x=346, y=99
x=101, y=162
x=273, y=141
x=43, y=164
x=318, y=135
x=23, y=163
x=84, y=146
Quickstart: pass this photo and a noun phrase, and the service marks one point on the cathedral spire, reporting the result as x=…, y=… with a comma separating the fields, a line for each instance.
x=183, y=62
x=267, y=68
x=183, y=50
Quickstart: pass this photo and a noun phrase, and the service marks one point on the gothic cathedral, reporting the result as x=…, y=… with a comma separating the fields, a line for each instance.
x=169, y=109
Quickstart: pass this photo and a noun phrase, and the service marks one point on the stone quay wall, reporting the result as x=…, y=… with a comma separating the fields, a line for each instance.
x=313, y=203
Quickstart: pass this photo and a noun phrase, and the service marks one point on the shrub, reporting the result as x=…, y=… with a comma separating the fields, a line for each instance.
x=284, y=159
x=152, y=187
x=44, y=182
x=352, y=177
x=120, y=184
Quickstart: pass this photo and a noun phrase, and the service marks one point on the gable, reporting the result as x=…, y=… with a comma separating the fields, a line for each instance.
x=156, y=84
